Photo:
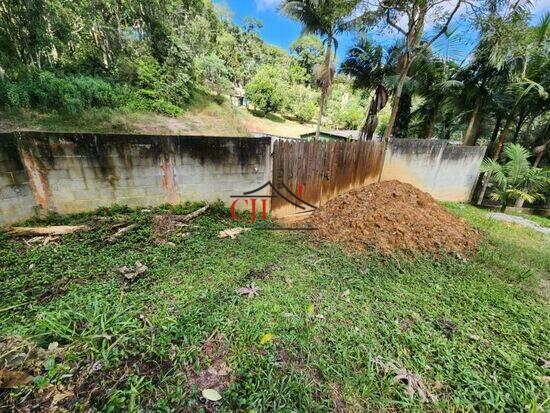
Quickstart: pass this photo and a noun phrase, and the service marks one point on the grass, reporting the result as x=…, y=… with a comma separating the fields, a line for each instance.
x=539, y=219
x=472, y=331
x=202, y=117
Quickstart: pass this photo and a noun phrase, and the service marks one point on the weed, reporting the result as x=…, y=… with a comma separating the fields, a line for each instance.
x=470, y=331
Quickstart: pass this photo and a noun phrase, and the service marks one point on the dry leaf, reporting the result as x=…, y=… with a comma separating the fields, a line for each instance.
x=345, y=295
x=11, y=379
x=232, y=233
x=545, y=364
x=132, y=273
x=412, y=381
x=211, y=394
x=266, y=338
x=250, y=290
x=59, y=396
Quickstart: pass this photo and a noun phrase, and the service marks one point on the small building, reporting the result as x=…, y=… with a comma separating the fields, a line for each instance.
x=334, y=135
x=238, y=97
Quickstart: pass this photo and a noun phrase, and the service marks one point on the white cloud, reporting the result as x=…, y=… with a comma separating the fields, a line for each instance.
x=262, y=5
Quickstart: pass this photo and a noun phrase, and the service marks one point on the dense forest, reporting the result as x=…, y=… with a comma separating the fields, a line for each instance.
x=160, y=55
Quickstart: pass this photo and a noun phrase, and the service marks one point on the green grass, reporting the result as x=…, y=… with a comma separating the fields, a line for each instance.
x=539, y=219
x=472, y=331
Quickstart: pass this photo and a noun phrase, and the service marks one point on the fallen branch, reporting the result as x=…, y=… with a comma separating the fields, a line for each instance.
x=232, y=233
x=192, y=215
x=121, y=232
x=53, y=230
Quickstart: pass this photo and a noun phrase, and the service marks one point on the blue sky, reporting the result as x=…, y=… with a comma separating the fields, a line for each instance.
x=281, y=31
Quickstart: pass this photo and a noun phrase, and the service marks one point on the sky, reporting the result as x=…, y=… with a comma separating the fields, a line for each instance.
x=281, y=31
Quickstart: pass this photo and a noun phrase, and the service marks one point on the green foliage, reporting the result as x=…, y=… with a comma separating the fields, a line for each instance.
x=266, y=90
x=147, y=46
x=214, y=74
x=160, y=331
x=516, y=179
x=70, y=94
x=302, y=103
x=308, y=51
x=345, y=109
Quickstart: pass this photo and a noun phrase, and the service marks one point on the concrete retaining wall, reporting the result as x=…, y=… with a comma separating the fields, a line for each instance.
x=447, y=172
x=73, y=173
x=16, y=198
x=80, y=172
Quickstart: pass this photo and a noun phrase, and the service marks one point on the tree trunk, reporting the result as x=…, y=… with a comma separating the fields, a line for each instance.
x=496, y=129
x=394, y=107
x=496, y=153
x=118, y=24
x=431, y=122
x=472, y=125
x=324, y=90
x=522, y=118
x=320, y=116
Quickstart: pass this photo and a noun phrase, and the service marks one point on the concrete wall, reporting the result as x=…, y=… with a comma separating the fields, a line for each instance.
x=79, y=172
x=447, y=172
x=72, y=173
x=16, y=198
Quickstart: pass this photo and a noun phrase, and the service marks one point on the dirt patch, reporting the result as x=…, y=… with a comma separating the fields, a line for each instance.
x=22, y=360
x=392, y=216
x=214, y=372
x=166, y=225
x=262, y=273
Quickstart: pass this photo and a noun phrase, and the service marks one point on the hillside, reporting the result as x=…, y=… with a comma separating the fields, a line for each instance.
x=204, y=117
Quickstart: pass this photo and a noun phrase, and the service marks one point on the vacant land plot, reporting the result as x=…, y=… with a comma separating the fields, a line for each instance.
x=270, y=320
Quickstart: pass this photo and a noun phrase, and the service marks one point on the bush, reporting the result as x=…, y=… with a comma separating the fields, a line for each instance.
x=71, y=94
x=345, y=109
x=214, y=74
x=302, y=103
x=157, y=88
x=267, y=91
x=160, y=90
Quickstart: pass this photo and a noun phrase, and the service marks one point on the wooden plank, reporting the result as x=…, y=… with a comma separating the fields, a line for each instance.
x=324, y=169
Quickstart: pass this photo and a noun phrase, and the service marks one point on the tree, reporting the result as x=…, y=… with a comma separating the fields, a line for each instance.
x=266, y=90
x=308, y=51
x=527, y=62
x=214, y=74
x=325, y=18
x=415, y=14
x=516, y=179
x=366, y=64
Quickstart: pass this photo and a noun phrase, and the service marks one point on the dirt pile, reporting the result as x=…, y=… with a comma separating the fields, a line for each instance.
x=392, y=216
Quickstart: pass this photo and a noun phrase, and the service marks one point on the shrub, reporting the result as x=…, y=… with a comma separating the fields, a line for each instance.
x=267, y=91
x=214, y=74
x=69, y=94
x=345, y=109
x=302, y=103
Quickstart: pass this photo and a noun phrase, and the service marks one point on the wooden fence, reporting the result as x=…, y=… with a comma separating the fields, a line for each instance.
x=306, y=174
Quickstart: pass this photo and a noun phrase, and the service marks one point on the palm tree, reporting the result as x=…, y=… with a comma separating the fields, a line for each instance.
x=516, y=179
x=529, y=68
x=366, y=64
x=325, y=18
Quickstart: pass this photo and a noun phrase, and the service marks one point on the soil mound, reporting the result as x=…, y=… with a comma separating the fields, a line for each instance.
x=392, y=216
